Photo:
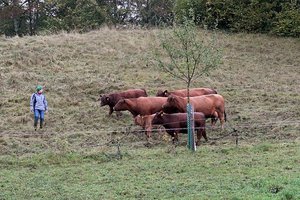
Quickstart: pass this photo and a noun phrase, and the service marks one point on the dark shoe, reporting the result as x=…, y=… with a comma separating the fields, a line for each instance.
x=35, y=124
x=41, y=123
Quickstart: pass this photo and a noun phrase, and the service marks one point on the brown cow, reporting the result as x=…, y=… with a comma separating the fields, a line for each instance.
x=145, y=122
x=112, y=99
x=212, y=106
x=183, y=93
x=177, y=123
x=141, y=105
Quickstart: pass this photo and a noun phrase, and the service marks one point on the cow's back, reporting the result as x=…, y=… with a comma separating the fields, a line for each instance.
x=132, y=93
x=194, y=92
x=150, y=105
x=204, y=104
x=208, y=104
x=216, y=98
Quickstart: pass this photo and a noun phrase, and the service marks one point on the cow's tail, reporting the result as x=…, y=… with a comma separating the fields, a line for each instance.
x=225, y=116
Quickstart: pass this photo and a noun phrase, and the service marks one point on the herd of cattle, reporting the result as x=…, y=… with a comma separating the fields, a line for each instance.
x=169, y=109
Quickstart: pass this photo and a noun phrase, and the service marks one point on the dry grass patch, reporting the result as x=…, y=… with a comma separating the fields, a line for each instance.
x=259, y=78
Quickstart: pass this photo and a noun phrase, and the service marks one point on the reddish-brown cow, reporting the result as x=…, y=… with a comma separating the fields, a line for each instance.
x=112, y=99
x=183, y=93
x=145, y=122
x=212, y=106
x=177, y=123
x=141, y=105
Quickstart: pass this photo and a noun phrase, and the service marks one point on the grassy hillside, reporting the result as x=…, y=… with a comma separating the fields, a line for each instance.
x=259, y=78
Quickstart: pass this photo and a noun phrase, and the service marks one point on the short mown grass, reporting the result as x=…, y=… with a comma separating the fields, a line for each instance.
x=265, y=171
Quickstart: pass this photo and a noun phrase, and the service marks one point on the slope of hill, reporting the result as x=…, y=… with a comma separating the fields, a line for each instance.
x=259, y=78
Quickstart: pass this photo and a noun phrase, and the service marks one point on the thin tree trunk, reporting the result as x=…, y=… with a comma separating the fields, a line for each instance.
x=188, y=91
x=30, y=17
x=116, y=17
x=16, y=25
x=36, y=16
x=14, y=16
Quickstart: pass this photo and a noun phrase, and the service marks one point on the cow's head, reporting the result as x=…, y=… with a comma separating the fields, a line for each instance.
x=158, y=118
x=104, y=100
x=161, y=93
x=171, y=106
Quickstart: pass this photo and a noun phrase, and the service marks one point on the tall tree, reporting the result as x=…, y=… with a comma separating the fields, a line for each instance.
x=80, y=15
x=11, y=12
x=157, y=12
x=33, y=12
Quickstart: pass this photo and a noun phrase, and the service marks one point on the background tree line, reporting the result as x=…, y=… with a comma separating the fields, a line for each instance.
x=30, y=17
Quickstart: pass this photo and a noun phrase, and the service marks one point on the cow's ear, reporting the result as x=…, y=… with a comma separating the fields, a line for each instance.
x=165, y=92
x=100, y=95
x=160, y=113
x=107, y=98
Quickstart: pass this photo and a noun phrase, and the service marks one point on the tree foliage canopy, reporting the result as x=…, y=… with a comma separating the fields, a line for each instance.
x=29, y=17
x=189, y=55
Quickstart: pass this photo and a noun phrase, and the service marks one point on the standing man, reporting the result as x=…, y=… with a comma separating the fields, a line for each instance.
x=38, y=105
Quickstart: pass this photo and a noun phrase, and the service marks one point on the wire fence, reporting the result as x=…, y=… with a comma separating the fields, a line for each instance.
x=122, y=136
x=228, y=127
x=116, y=129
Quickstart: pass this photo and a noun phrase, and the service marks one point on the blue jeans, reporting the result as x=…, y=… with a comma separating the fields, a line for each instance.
x=39, y=114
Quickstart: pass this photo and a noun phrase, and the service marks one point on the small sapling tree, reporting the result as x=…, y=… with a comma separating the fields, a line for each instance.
x=185, y=55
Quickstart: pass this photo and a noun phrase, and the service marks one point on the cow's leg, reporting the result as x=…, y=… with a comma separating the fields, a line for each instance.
x=174, y=137
x=203, y=133
x=222, y=118
x=111, y=110
x=214, y=119
x=213, y=122
x=199, y=135
x=148, y=133
x=222, y=123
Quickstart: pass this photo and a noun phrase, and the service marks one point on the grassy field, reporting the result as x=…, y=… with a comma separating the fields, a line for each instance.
x=76, y=155
x=264, y=171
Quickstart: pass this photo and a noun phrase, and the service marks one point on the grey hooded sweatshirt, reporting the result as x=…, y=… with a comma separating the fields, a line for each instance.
x=38, y=102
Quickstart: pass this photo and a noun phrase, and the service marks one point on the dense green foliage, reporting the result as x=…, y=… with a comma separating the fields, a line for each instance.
x=80, y=15
x=23, y=17
x=257, y=16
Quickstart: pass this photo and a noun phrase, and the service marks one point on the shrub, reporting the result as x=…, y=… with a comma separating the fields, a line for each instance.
x=256, y=16
x=288, y=23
